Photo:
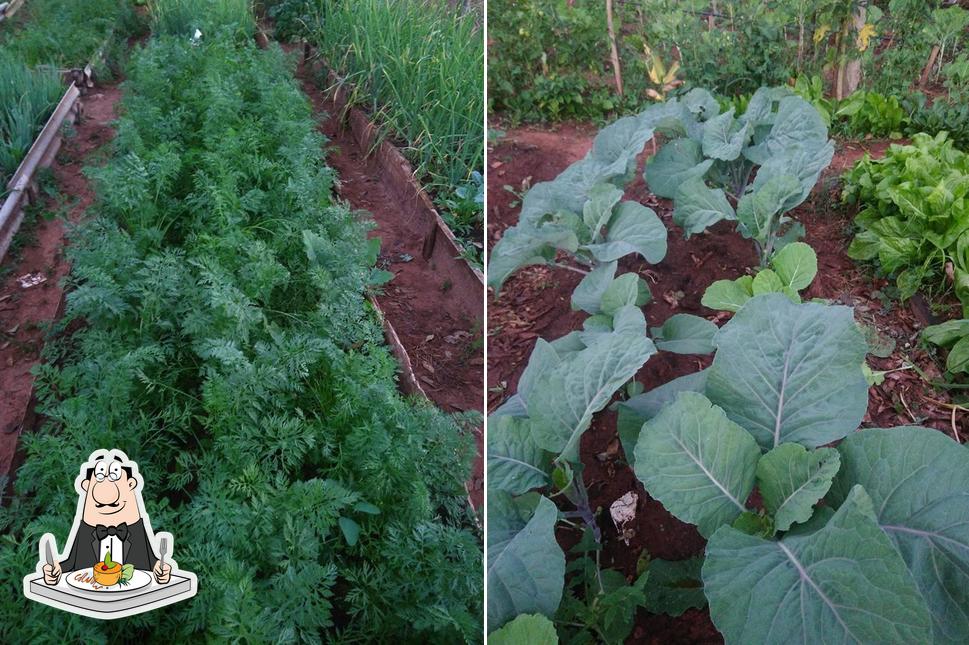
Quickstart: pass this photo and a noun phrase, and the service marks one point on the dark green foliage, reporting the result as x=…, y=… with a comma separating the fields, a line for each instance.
x=290, y=18
x=66, y=34
x=27, y=98
x=227, y=348
x=936, y=117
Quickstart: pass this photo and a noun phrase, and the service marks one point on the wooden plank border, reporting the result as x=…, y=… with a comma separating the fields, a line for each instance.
x=22, y=185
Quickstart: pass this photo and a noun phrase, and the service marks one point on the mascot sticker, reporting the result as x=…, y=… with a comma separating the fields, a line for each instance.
x=113, y=565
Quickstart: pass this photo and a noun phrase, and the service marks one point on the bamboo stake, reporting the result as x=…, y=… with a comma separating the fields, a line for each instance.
x=615, y=50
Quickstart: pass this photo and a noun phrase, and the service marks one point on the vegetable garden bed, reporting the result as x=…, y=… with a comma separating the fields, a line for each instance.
x=535, y=302
x=432, y=305
x=217, y=330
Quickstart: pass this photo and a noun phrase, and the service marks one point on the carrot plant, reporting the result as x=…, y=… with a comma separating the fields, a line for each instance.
x=219, y=334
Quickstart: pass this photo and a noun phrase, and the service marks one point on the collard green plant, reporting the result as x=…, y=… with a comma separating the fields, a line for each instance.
x=791, y=270
x=866, y=541
x=533, y=444
x=914, y=215
x=580, y=212
x=708, y=168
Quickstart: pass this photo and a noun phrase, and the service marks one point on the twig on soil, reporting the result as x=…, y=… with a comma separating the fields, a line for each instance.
x=570, y=268
x=901, y=395
x=952, y=419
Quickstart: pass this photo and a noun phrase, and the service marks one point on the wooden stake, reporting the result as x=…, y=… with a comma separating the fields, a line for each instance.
x=929, y=65
x=615, y=50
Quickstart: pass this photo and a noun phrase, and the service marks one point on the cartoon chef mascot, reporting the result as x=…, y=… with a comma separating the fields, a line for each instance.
x=110, y=527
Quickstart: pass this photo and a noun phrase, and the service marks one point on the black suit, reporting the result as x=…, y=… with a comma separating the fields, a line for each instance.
x=86, y=550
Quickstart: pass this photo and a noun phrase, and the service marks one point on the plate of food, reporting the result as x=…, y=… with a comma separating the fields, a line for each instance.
x=109, y=576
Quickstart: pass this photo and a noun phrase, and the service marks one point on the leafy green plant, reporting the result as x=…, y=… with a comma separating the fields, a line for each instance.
x=786, y=380
x=707, y=166
x=954, y=336
x=790, y=270
x=913, y=217
x=580, y=212
x=937, y=116
x=533, y=443
x=870, y=113
x=220, y=335
x=956, y=75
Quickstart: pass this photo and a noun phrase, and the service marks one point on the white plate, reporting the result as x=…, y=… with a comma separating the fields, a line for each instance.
x=84, y=579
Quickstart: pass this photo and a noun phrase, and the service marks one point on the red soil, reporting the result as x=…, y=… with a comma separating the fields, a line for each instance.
x=444, y=347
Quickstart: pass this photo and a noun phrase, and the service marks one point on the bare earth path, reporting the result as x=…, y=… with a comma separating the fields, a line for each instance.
x=445, y=348
x=25, y=311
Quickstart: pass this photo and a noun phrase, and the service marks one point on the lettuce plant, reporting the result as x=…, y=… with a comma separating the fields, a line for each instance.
x=708, y=167
x=914, y=215
x=867, y=542
x=954, y=336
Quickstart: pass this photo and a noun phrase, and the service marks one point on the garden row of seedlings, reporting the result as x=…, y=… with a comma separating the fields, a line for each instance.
x=217, y=328
x=865, y=541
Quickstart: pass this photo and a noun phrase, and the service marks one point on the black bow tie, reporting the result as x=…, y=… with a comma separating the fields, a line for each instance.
x=121, y=530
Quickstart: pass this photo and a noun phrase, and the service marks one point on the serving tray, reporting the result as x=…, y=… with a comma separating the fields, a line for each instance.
x=115, y=604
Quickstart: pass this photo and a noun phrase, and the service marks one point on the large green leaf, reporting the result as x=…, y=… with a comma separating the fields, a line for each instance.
x=633, y=229
x=791, y=480
x=628, y=289
x=797, y=126
x=805, y=163
x=530, y=629
x=588, y=295
x=636, y=411
x=561, y=408
x=844, y=583
x=617, y=145
x=526, y=567
x=727, y=295
x=524, y=244
x=796, y=265
x=674, y=586
x=958, y=358
x=947, y=333
x=697, y=462
x=698, y=207
x=675, y=163
x=543, y=359
x=790, y=372
x=721, y=140
x=515, y=462
x=918, y=480
x=685, y=334
x=758, y=210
